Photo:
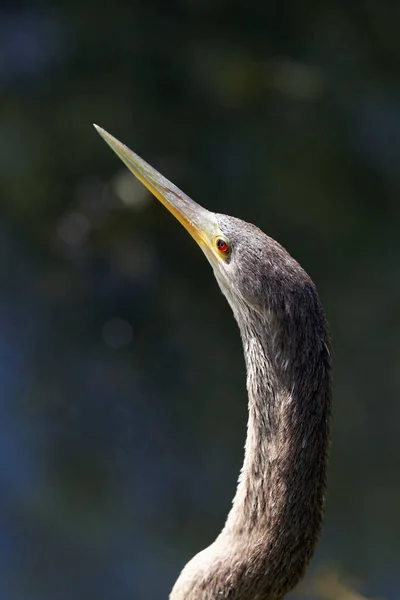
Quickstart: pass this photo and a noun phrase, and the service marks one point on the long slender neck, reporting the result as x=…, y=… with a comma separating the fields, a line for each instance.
x=277, y=510
x=275, y=520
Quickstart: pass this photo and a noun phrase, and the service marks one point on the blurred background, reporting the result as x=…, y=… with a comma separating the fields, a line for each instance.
x=123, y=402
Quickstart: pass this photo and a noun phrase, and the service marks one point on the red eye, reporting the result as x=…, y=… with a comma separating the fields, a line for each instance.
x=222, y=246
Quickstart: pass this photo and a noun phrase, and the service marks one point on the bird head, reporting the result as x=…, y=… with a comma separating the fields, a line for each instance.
x=253, y=271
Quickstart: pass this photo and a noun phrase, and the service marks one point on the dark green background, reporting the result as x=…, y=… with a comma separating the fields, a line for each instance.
x=123, y=403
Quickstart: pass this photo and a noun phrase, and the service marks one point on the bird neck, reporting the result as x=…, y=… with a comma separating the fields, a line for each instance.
x=273, y=526
x=277, y=511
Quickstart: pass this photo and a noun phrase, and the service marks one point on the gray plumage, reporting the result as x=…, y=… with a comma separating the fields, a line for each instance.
x=273, y=526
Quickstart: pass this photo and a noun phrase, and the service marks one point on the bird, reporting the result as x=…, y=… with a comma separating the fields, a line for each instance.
x=274, y=524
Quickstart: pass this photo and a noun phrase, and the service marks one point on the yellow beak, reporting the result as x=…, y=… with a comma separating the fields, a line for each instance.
x=199, y=222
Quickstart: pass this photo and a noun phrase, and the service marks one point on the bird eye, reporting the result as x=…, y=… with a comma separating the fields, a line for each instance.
x=222, y=246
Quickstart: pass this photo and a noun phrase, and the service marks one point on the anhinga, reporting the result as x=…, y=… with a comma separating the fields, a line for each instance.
x=273, y=526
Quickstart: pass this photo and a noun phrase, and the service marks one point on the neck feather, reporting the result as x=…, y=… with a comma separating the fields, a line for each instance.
x=278, y=507
x=273, y=526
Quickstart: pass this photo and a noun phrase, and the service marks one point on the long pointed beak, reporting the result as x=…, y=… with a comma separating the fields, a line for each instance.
x=199, y=222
